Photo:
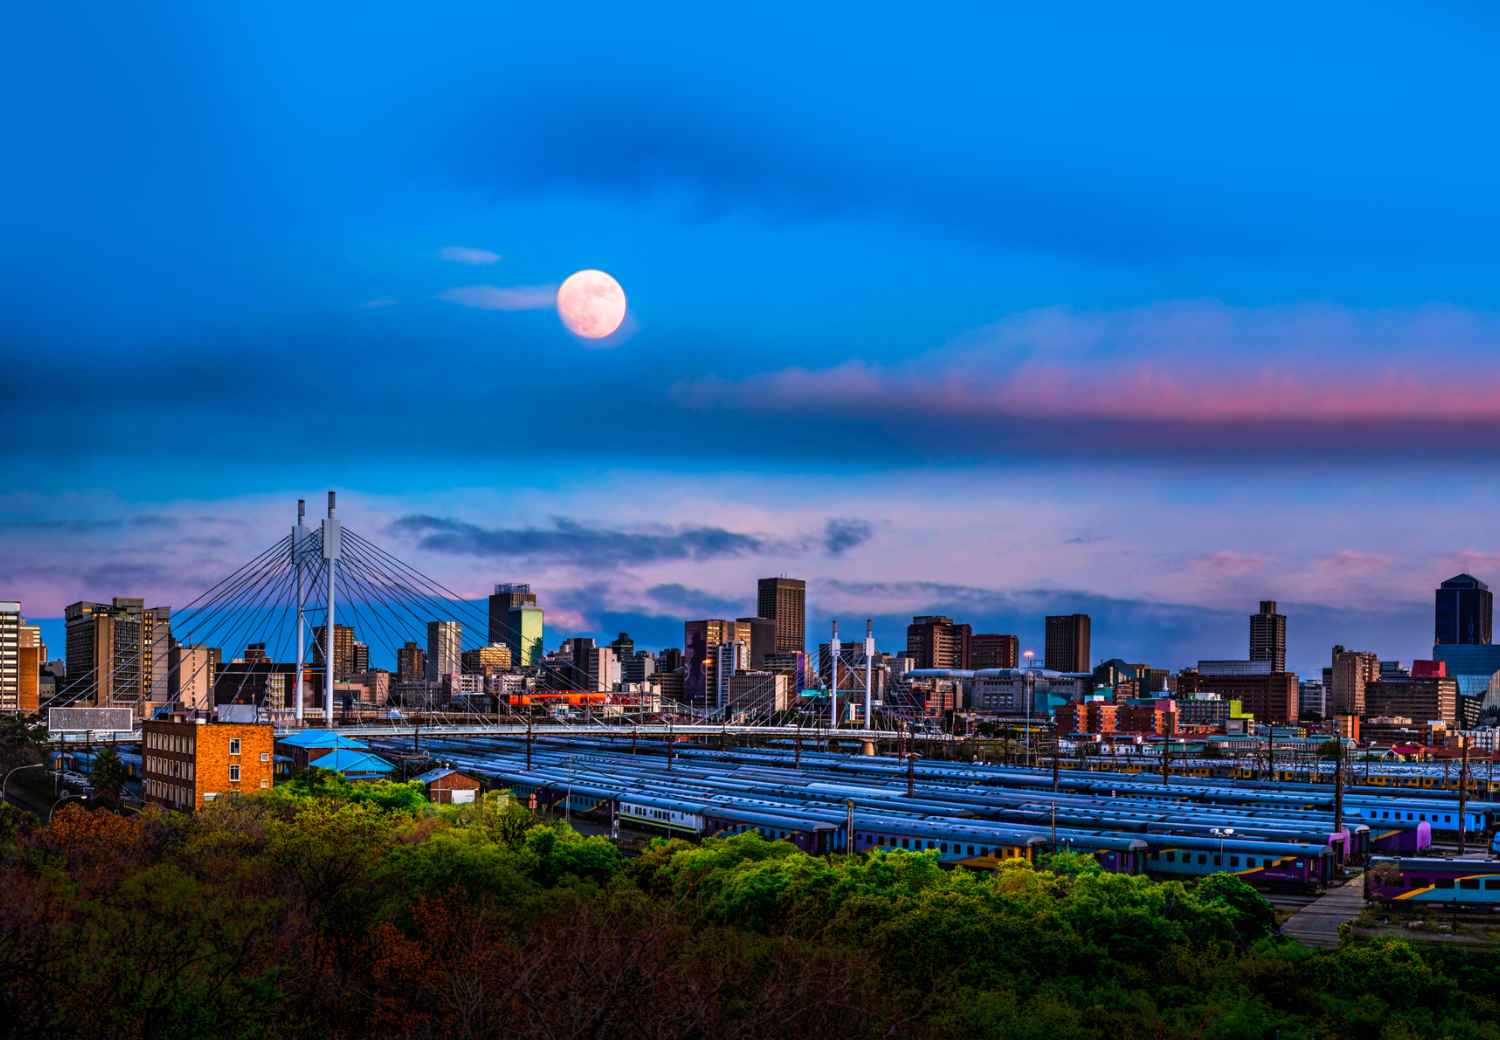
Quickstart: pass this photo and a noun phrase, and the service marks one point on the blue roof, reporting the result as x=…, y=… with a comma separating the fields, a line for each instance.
x=319, y=738
x=348, y=760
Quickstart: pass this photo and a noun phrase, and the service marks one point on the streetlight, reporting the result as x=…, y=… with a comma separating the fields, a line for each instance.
x=1028, y=687
x=34, y=765
x=1221, y=835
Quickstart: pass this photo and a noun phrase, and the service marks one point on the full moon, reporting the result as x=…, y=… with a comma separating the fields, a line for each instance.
x=591, y=304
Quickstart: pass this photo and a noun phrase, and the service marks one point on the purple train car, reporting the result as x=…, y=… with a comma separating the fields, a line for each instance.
x=1420, y=879
x=1410, y=839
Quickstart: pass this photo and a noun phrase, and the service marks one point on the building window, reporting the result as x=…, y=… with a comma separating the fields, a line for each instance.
x=265, y=783
x=234, y=774
x=265, y=756
x=234, y=745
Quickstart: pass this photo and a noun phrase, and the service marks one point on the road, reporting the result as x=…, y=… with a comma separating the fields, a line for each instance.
x=1317, y=924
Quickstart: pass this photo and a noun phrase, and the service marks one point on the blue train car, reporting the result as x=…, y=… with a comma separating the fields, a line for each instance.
x=1275, y=865
x=1420, y=879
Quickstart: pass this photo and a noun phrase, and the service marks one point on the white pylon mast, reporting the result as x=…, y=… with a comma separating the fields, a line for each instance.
x=869, y=665
x=300, y=537
x=833, y=686
x=331, y=556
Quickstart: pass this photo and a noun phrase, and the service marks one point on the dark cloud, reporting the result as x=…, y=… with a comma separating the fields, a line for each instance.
x=843, y=535
x=567, y=541
x=689, y=603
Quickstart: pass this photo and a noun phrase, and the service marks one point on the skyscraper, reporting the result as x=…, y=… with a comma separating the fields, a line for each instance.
x=784, y=601
x=345, y=656
x=445, y=641
x=1465, y=607
x=1352, y=670
x=1268, y=636
x=507, y=596
x=118, y=654
x=411, y=663
x=525, y=635
x=936, y=642
x=1067, y=646
x=762, y=640
x=989, y=650
x=10, y=656
x=700, y=638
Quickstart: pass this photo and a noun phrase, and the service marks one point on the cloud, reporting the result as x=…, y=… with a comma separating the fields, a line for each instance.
x=1226, y=564
x=465, y=255
x=493, y=298
x=374, y=304
x=1197, y=375
x=842, y=535
x=569, y=542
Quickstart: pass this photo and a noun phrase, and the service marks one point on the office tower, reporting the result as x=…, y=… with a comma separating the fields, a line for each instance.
x=487, y=660
x=1352, y=670
x=117, y=654
x=1268, y=636
x=507, y=596
x=639, y=668
x=1464, y=609
x=191, y=671
x=762, y=639
x=994, y=651
x=699, y=640
x=936, y=642
x=728, y=658
x=600, y=670
x=1427, y=699
x=1067, y=646
x=411, y=663
x=1269, y=696
x=344, y=664
x=10, y=656
x=623, y=646
x=525, y=635
x=361, y=658
x=445, y=640
x=784, y=601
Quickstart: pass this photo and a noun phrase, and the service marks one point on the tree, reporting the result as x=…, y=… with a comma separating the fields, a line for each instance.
x=1254, y=918
x=23, y=742
x=109, y=774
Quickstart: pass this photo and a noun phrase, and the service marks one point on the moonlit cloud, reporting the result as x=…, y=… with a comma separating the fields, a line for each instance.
x=465, y=255
x=493, y=298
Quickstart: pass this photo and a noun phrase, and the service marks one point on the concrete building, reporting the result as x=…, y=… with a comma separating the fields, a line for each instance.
x=1269, y=696
x=185, y=763
x=759, y=693
x=1268, y=636
x=10, y=656
x=728, y=659
x=486, y=660
x=525, y=638
x=1430, y=699
x=117, y=655
x=411, y=663
x=784, y=601
x=989, y=650
x=445, y=641
x=600, y=669
x=344, y=663
x=1003, y=691
x=507, y=597
x=1352, y=671
x=762, y=640
x=623, y=646
x=1312, y=695
x=933, y=641
x=1067, y=644
x=700, y=639
x=1095, y=717
x=639, y=668
x=191, y=671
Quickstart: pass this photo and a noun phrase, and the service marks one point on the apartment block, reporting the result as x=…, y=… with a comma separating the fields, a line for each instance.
x=989, y=650
x=187, y=763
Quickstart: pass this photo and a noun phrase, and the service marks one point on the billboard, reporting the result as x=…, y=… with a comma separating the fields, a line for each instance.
x=93, y=720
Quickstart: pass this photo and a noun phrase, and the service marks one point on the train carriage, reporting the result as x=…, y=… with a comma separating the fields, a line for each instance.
x=1420, y=879
x=1274, y=865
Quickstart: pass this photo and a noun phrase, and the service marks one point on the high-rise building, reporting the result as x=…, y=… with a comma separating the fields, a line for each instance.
x=1352, y=670
x=700, y=638
x=623, y=646
x=989, y=650
x=936, y=642
x=191, y=671
x=361, y=658
x=669, y=660
x=507, y=596
x=118, y=654
x=784, y=601
x=762, y=640
x=1465, y=607
x=728, y=658
x=639, y=668
x=445, y=641
x=525, y=635
x=1430, y=699
x=345, y=657
x=601, y=669
x=1067, y=645
x=487, y=660
x=10, y=656
x=1268, y=636
x=411, y=663
x=1269, y=696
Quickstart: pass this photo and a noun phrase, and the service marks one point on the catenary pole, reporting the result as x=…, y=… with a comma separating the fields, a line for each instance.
x=300, y=535
x=331, y=555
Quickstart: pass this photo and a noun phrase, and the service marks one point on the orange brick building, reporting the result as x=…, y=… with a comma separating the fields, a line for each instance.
x=186, y=762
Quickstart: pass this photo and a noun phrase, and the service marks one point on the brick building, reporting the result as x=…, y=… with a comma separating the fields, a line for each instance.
x=187, y=762
x=1269, y=697
x=1087, y=717
x=936, y=642
x=991, y=650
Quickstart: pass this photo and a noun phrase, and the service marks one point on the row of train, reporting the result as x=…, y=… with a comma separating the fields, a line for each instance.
x=1276, y=835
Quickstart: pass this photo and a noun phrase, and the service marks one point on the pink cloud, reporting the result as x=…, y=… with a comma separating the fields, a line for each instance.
x=494, y=298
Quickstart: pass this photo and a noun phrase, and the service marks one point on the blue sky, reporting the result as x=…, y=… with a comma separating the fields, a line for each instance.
x=1160, y=310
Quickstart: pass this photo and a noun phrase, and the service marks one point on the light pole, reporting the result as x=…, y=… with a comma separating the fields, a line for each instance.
x=1028, y=689
x=1221, y=835
x=34, y=765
